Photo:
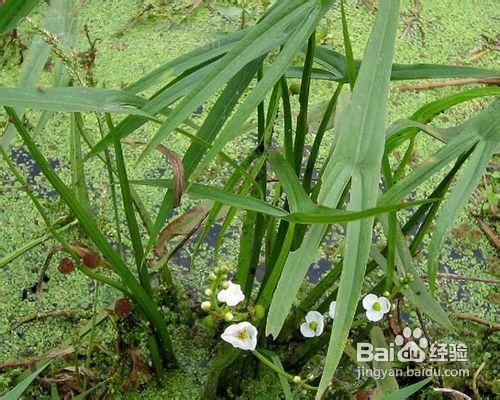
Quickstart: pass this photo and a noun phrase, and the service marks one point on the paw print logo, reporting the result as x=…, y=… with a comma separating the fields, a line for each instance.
x=411, y=351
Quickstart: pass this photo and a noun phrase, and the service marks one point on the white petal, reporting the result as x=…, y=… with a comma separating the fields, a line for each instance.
x=306, y=330
x=314, y=316
x=232, y=296
x=320, y=327
x=385, y=304
x=374, y=315
x=369, y=300
x=333, y=309
x=230, y=335
x=234, y=341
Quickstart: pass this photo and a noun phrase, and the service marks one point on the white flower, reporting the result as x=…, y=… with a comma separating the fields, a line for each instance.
x=314, y=324
x=232, y=296
x=242, y=336
x=333, y=309
x=376, y=306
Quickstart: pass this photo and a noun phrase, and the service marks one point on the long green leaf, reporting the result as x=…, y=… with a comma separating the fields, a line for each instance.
x=407, y=391
x=465, y=185
x=430, y=110
x=363, y=124
x=78, y=181
x=87, y=222
x=12, y=11
x=66, y=99
x=351, y=65
x=270, y=78
x=16, y=392
x=133, y=227
x=211, y=52
x=297, y=198
x=263, y=37
x=387, y=384
x=483, y=126
x=337, y=65
x=55, y=22
x=360, y=148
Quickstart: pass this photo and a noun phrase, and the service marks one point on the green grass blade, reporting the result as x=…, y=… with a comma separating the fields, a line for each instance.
x=465, y=185
x=327, y=215
x=482, y=126
x=407, y=391
x=336, y=64
x=128, y=205
x=97, y=237
x=305, y=86
x=20, y=388
x=287, y=122
x=35, y=59
x=361, y=141
x=429, y=111
x=158, y=103
x=297, y=198
x=323, y=127
x=78, y=181
x=219, y=195
x=263, y=37
x=13, y=11
x=351, y=65
x=270, y=78
x=66, y=99
x=209, y=53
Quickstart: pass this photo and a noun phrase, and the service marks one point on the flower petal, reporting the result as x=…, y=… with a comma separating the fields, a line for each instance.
x=306, y=330
x=369, y=300
x=234, y=341
x=333, y=309
x=232, y=296
x=314, y=316
x=320, y=327
x=230, y=336
x=374, y=315
x=385, y=304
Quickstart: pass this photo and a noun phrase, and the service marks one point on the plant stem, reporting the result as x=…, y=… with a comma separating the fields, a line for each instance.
x=280, y=371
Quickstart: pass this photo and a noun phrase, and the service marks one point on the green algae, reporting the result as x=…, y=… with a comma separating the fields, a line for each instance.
x=450, y=34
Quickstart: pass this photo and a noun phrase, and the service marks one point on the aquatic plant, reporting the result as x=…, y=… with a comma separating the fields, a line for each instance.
x=285, y=219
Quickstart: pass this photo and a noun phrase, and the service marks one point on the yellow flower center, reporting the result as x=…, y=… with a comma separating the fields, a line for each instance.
x=313, y=325
x=377, y=306
x=242, y=334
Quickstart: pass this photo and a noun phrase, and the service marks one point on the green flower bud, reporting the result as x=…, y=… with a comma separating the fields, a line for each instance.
x=260, y=312
x=228, y=317
x=212, y=276
x=295, y=88
x=209, y=321
x=209, y=292
x=386, y=293
x=393, y=307
x=296, y=379
x=224, y=285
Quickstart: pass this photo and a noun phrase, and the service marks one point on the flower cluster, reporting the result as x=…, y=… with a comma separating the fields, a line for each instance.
x=375, y=309
x=224, y=296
